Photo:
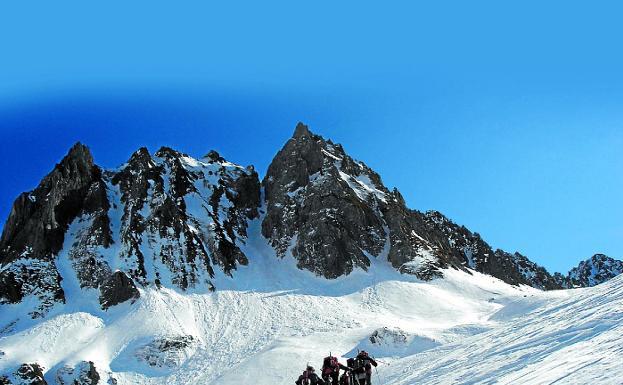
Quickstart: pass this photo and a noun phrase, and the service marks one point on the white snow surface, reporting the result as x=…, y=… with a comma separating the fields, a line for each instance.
x=267, y=322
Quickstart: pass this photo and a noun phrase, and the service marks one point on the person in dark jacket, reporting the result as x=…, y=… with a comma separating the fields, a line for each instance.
x=309, y=377
x=331, y=370
x=362, y=370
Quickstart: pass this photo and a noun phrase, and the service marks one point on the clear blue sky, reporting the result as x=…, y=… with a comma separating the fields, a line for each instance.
x=505, y=116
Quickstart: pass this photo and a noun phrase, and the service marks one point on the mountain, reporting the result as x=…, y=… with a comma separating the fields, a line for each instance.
x=171, y=220
x=591, y=272
x=171, y=269
x=166, y=219
x=333, y=214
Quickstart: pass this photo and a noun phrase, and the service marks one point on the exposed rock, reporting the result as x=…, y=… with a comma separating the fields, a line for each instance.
x=476, y=254
x=31, y=374
x=117, y=289
x=333, y=213
x=38, y=220
x=38, y=278
x=594, y=271
x=313, y=212
x=387, y=336
x=84, y=373
x=168, y=219
x=36, y=227
x=174, y=217
x=166, y=352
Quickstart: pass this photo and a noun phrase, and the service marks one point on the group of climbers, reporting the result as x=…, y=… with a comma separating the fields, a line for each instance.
x=357, y=371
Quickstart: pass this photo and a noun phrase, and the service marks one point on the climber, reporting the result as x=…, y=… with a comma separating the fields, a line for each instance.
x=331, y=370
x=362, y=368
x=309, y=377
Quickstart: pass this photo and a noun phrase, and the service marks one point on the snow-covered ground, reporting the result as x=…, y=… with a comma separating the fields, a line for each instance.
x=265, y=324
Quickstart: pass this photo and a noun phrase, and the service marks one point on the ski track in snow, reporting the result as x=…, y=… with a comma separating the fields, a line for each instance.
x=265, y=324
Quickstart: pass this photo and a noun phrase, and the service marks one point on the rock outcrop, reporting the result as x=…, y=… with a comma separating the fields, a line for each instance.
x=161, y=219
x=117, y=289
x=84, y=373
x=26, y=374
x=593, y=271
x=333, y=214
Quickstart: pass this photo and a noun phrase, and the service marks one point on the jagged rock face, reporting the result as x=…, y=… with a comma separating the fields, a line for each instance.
x=333, y=213
x=183, y=214
x=166, y=352
x=526, y=272
x=116, y=289
x=27, y=374
x=166, y=219
x=312, y=211
x=598, y=269
x=35, y=230
x=84, y=373
x=476, y=254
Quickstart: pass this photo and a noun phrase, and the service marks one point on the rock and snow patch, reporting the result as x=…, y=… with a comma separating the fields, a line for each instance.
x=166, y=352
x=394, y=342
x=84, y=373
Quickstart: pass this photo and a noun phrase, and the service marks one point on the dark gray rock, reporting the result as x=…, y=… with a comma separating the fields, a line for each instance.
x=333, y=213
x=67, y=220
x=31, y=374
x=117, y=289
x=166, y=352
x=594, y=271
x=312, y=211
x=476, y=254
x=84, y=373
x=35, y=230
x=38, y=220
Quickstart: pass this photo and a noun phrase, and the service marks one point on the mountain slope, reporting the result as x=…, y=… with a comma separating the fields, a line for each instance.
x=333, y=213
x=171, y=269
x=169, y=220
x=595, y=270
x=166, y=219
x=575, y=339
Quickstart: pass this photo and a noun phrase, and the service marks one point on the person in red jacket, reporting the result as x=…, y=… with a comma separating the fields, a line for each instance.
x=309, y=377
x=362, y=369
x=331, y=370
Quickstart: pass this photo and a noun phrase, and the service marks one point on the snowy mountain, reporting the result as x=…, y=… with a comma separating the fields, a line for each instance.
x=163, y=220
x=595, y=270
x=175, y=269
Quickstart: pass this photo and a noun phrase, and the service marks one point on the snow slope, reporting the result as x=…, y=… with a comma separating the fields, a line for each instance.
x=267, y=322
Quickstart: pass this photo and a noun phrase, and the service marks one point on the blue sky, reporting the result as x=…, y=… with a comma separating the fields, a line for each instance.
x=506, y=116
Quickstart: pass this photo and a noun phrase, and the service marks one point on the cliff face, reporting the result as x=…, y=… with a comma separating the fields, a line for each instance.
x=596, y=270
x=333, y=213
x=166, y=219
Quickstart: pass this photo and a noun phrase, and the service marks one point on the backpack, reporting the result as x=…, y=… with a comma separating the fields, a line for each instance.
x=350, y=363
x=345, y=379
x=306, y=379
x=329, y=365
x=358, y=364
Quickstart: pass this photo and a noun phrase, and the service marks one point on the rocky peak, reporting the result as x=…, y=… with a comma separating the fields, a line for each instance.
x=313, y=211
x=214, y=156
x=175, y=217
x=595, y=270
x=38, y=220
x=333, y=213
x=301, y=131
x=141, y=158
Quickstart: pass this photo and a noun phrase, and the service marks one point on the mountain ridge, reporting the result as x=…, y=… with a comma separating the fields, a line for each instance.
x=168, y=219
